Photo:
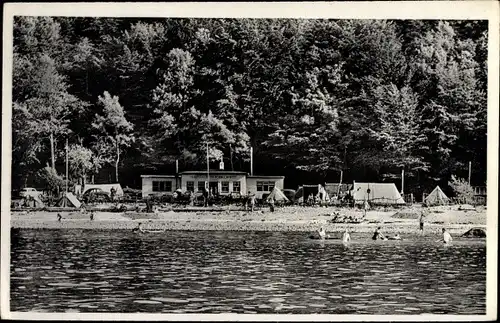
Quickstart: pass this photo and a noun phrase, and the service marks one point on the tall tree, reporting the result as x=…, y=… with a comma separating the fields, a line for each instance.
x=48, y=106
x=80, y=162
x=397, y=131
x=114, y=129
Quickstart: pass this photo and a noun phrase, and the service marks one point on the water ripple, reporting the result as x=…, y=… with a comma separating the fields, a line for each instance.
x=215, y=272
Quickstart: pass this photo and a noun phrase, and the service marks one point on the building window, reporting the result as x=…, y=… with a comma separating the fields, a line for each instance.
x=265, y=186
x=190, y=186
x=162, y=186
x=225, y=187
x=236, y=187
x=201, y=185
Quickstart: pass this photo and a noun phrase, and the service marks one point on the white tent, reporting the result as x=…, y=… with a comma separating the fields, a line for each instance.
x=69, y=200
x=436, y=197
x=277, y=195
x=377, y=193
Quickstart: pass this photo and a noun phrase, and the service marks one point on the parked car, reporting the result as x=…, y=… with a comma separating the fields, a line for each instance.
x=96, y=195
x=29, y=191
x=475, y=233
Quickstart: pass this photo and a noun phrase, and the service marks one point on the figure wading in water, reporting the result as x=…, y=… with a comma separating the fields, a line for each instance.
x=377, y=235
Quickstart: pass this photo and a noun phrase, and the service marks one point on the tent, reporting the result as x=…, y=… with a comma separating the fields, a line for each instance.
x=290, y=194
x=105, y=188
x=304, y=191
x=69, y=200
x=278, y=195
x=436, y=197
x=33, y=201
x=323, y=194
x=333, y=189
x=377, y=193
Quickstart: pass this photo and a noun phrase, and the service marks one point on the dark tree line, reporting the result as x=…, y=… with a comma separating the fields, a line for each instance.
x=312, y=97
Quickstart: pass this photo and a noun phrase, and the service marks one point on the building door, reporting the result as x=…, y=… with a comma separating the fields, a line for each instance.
x=214, y=188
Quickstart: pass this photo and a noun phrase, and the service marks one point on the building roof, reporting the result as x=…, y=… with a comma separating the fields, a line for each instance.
x=214, y=171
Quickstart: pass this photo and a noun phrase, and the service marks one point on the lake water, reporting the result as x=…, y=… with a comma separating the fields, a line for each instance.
x=218, y=272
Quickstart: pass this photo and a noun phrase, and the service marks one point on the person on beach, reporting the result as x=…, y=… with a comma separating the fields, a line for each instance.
x=377, y=235
x=446, y=236
x=191, y=198
x=250, y=201
x=59, y=217
x=346, y=237
x=366, y=206
x=271, y=204
x=92, y=215
x=205, y=197
x=113, y=193
x=421, y=222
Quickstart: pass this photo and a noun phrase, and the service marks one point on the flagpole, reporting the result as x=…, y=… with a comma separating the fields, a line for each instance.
x=66, y=171
x=208, y=171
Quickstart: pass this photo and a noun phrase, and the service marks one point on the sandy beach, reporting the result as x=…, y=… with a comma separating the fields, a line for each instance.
x=457, y=219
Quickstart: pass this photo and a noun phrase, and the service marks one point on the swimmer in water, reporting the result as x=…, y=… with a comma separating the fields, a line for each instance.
x=446, y=236
x=346, y=237
x=322, y=233
x=396, y=237
x=138, y=229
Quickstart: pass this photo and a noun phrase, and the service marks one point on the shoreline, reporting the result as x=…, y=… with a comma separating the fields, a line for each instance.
x=283, y=220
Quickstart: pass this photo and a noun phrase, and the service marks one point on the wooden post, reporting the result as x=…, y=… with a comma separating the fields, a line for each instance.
x=251, y=161
x=52, y=153
x=470, y=170
x=67, y=167
x=402, y=181
x=208, y=171
x=231, y=156
x=340, y=183
x=177, y=174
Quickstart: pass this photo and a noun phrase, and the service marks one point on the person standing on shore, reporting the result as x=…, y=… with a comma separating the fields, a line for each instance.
x=250, y=201
x=113, y=193
x=205, y=197
x=92, y=215
x=421, y=222
x=447, y=236
x=271, y=204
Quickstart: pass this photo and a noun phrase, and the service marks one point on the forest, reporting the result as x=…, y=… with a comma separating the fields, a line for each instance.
x=311, y=97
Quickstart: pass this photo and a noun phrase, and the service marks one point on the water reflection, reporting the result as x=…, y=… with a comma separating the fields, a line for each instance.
x=218, y=272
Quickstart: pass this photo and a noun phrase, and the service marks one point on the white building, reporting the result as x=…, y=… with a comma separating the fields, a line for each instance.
x=221, y=182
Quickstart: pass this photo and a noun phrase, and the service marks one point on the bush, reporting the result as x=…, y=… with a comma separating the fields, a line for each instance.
x=47, y=177
x=461, y=188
